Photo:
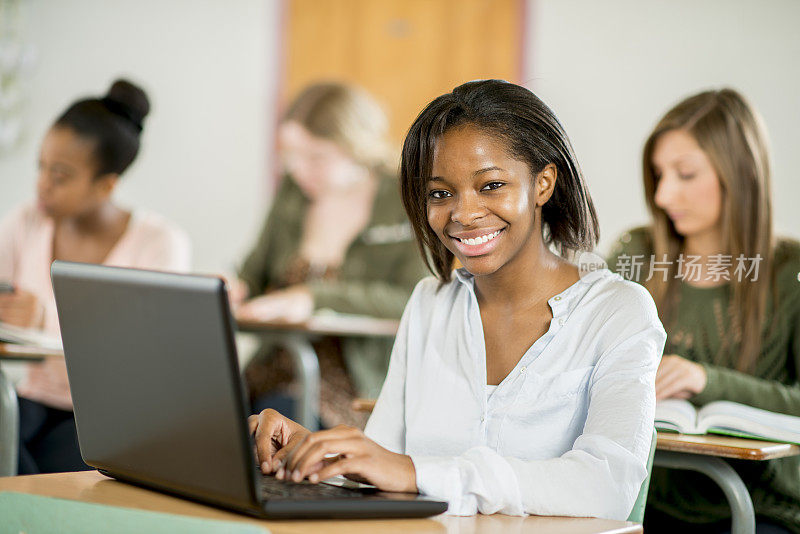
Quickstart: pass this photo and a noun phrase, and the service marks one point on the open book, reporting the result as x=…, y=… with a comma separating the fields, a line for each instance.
x=729, y=418
x=28, y=336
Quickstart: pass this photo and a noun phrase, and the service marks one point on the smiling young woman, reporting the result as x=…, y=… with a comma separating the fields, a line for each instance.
x=728, y=294
x=515, y=385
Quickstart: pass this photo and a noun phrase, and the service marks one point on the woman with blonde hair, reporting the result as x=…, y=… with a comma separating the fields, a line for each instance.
x=336, y=238
x=727, y=292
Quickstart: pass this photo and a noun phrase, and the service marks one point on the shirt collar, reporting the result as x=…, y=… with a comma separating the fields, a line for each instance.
x=561, y=304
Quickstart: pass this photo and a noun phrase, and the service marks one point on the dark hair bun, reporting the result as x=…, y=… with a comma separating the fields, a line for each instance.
x=131, y=98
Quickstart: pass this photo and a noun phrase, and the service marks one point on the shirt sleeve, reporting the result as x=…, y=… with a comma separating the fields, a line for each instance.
x=731, y=385
x=386, y=425
x=257, y=266
x=362, y=297
x=724, y=383
x=254, y=270
x=9, y=227
x=600, y=476
x=386, y=297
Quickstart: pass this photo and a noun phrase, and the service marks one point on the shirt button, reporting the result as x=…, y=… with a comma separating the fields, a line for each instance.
x=522, y=370
x=482, y=419
x=561, y=322
x=557, y=298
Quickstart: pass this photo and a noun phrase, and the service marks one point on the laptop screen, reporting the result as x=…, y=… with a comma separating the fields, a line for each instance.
x=155, y=381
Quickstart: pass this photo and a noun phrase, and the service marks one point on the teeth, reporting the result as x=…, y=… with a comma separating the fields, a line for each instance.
x=480, y=240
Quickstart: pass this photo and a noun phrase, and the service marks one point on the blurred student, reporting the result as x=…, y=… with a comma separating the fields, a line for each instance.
x=336, y=238
x=516, y=386
x=75, y=218
x=728, y=293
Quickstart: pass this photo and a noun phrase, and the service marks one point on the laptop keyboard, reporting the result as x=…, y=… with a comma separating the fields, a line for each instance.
x=271, y=487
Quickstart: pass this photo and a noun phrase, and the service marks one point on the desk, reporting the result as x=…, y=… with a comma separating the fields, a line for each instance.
x=296, y=338
x=9, y=408
x=91, y=486
x=704, y=454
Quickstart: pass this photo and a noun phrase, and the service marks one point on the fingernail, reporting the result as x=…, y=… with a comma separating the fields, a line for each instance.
x=265, y=467
x=296, y=476
x=279, y=474
x=314, y=478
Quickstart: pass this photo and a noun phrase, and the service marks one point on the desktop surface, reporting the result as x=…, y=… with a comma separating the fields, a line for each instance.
x=725, y=446
x=91, y=486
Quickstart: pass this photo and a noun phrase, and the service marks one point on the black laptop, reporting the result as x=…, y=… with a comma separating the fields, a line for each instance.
x=159, y=401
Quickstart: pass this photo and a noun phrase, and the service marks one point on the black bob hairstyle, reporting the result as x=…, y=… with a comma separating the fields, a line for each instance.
x=533, y=135
x=113, y=122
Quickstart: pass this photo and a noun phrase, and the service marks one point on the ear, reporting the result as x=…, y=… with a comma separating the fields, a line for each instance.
x=105, y=184
x=545, y=184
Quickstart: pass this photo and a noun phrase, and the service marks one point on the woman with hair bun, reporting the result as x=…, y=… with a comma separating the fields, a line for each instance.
x=74, y=218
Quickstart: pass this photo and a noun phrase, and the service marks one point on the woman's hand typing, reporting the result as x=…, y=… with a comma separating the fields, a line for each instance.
x=275, y=435
x=347, y=451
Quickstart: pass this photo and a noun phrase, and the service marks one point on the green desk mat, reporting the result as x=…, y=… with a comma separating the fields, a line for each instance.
x=33, y=514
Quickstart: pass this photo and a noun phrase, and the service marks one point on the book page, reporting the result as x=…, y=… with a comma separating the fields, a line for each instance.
x=723, y=417
x=28, y=336
x=676, y=415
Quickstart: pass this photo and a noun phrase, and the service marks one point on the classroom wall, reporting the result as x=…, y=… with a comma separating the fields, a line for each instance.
x=210, y=69
x=610, y=69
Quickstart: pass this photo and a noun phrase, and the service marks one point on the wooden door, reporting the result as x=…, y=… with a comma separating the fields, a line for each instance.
x=405, y=52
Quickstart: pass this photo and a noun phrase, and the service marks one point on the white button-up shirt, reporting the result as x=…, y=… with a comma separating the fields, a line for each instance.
x=567, y=432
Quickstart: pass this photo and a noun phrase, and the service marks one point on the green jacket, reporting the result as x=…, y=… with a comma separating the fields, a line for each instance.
x=379, y=271
x=700, y=332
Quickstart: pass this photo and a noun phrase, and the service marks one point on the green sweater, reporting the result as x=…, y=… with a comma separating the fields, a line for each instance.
x=379, y=272
x=700, y=332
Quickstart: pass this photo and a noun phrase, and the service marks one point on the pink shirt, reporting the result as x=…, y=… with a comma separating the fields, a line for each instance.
x=26, y=252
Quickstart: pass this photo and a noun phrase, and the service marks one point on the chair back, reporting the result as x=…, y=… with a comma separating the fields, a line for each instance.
x=637, y=513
